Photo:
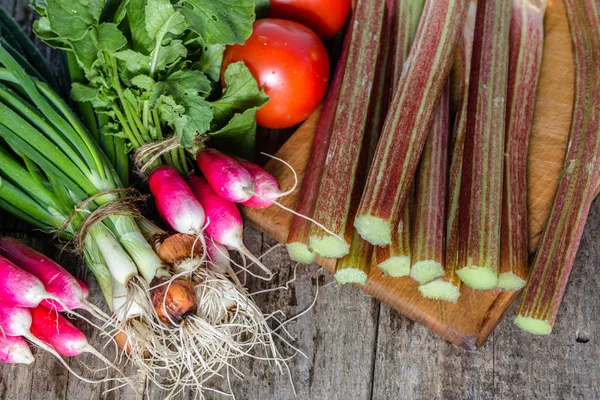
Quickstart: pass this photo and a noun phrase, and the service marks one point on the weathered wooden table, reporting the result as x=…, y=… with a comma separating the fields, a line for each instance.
x=357, y=348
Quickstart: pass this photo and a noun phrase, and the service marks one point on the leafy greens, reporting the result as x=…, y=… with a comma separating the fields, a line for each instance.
x=152, y=68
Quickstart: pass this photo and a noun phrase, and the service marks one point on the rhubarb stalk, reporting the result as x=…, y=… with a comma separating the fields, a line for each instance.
x=526, y=43
x=447, y=288
x=554, y=259
x=341, y=184
x=427, y=256
x=481, y=193
x=409, y=120
x=356, y=265
x=394, y=259
x=297, y=241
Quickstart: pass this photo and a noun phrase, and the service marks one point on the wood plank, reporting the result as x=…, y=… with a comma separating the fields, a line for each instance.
x=412, y=362
x=548, y=145
x=565, y=364
x=337, y=336
x=511, y=364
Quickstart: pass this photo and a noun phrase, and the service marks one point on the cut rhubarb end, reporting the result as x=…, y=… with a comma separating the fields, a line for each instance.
x=533, y=326
x=328, y=246
x=396, y=267
x=374, y=230
x=350, y=275
x=300, y=252
x=426, y=271
x=510, y=281
x=479, y=278
x=440, y=290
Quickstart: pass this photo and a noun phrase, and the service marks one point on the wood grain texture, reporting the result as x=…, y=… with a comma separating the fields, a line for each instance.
x=359, y=349
x=548, y=145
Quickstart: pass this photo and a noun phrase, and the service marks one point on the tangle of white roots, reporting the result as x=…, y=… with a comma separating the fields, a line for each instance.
x=228, y=325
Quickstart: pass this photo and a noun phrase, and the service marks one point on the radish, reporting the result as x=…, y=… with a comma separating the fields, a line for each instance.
x=175, y=201
x=84, y=288
x=225, y=224
x=231, y=180
x=54, y=330
x=18, y=321
x=226, y=176
x=218, y=255
x=56, y=280
x=14, y=350
x=20, y=288
x=266, y=187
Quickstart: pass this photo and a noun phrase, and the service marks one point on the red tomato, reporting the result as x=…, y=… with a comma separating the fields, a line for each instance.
x=289, y=61
x=326, y=17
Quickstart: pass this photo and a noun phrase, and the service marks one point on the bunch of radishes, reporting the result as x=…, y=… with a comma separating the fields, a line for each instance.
x=204, y=206
x=34, y=289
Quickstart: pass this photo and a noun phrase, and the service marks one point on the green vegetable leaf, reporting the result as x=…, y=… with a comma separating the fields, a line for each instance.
x=238, y=136
x=184, y=84
x=163, y=21
x=219, y=21
x=132, y=99
x=182, y=105
x=114, y=11
x=135, y=62
x=241, y=93
x=70, y=19
x=161, y=18
x=43, y=30
x=210, y=61
x=85, y=50
x=110, y=37
x=39, y=6
x=169, y=55
x=82, y=93
x=172, y=113
x=136, y=17
x=143, y=82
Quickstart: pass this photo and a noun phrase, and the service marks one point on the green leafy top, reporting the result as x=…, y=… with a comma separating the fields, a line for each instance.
x=153, y=67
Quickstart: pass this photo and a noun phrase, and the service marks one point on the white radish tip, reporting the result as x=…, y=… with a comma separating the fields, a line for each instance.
x=21, y=354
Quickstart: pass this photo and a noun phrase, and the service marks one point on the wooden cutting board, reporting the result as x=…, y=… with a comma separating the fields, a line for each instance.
x=471, y=320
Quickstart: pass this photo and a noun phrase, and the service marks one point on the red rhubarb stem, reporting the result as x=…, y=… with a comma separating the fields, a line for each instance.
x=409, y=119
x=297, y=241
x=526, y=43
x=448, y=287
x=481, y=193
x=427, y=256
x=554, y=259
x=348, y=151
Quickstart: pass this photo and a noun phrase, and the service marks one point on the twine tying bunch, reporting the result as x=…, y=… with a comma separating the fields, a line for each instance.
x=147, y=154
x=153, y=150
x=125, y=206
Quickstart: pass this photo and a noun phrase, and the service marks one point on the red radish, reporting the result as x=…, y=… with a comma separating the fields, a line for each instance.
x=225, y=224
x=266, y=187
x=17, y=322
x=226, y=176
x=55, y=330
x=14, y=350
x=84, y=288
x=175, y=201
x=218, y=255
x=56, y=279
x=20, y=288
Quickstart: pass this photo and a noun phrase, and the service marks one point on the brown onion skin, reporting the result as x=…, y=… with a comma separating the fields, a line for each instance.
x=178, y=298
